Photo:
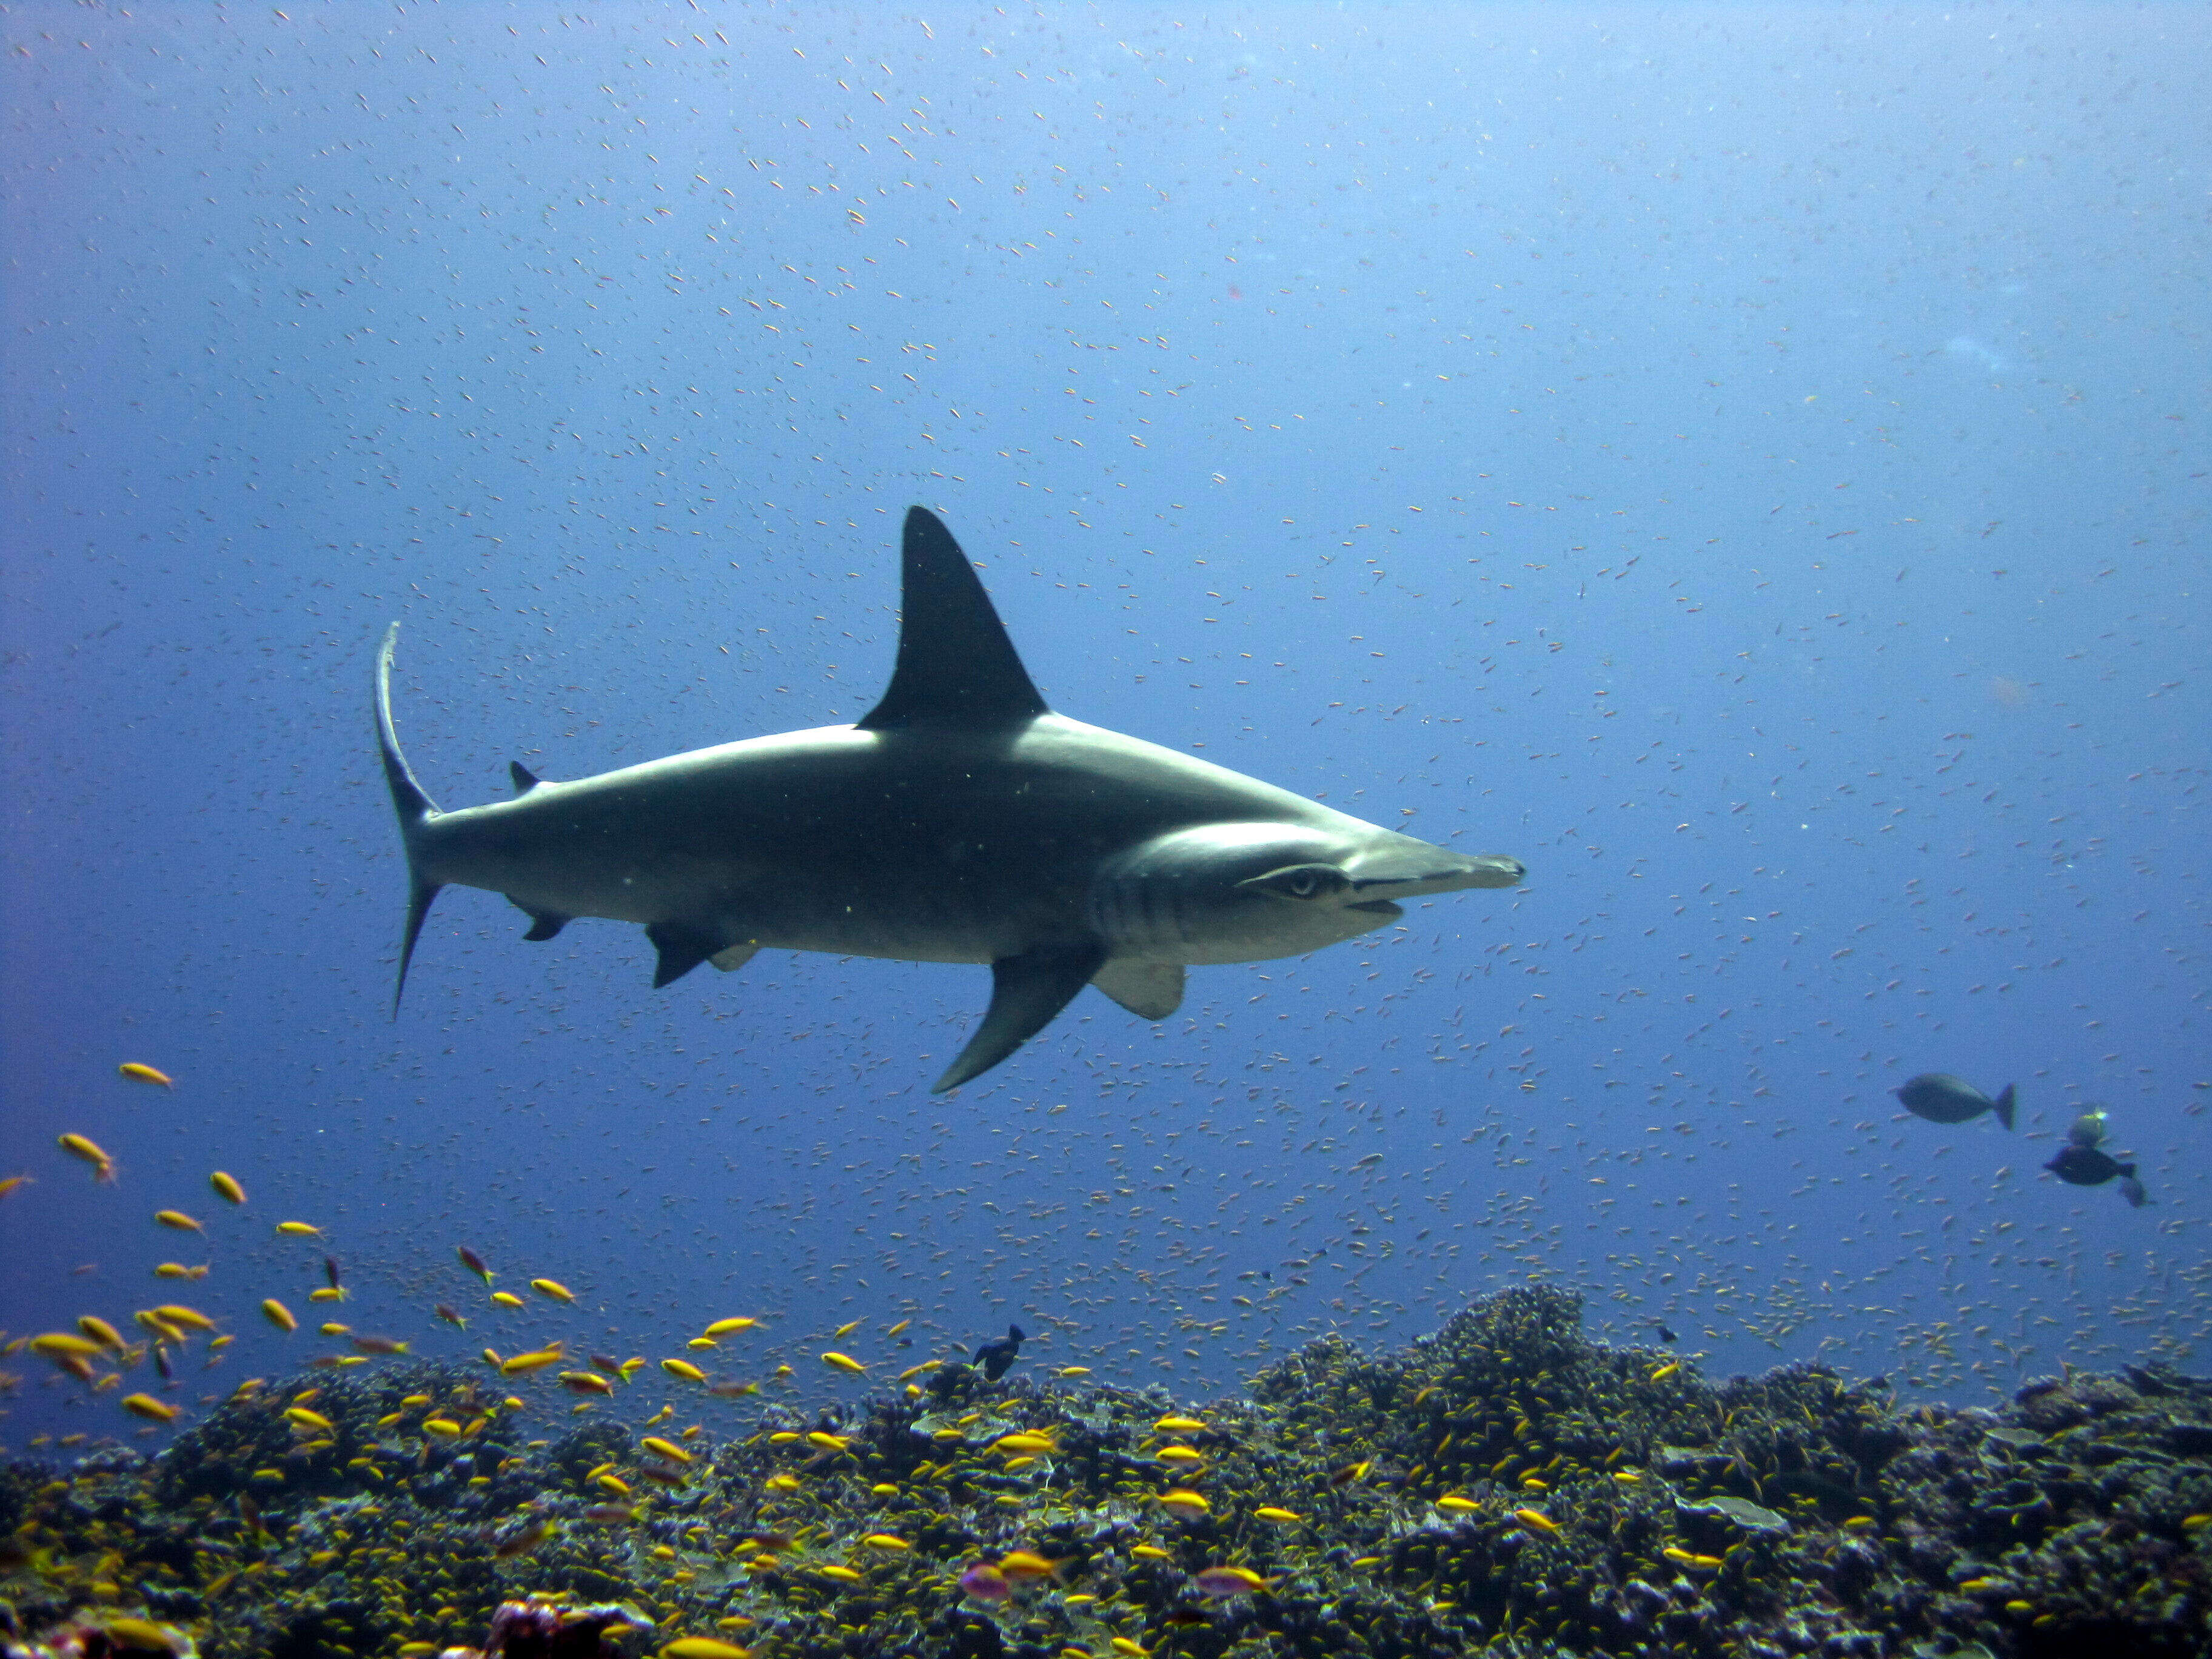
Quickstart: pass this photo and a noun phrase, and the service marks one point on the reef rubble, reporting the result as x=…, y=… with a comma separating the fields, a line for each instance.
x=1506, y=1485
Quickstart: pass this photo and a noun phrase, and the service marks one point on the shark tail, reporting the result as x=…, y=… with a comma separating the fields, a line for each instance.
x=2003, y=1105
x=415, y=808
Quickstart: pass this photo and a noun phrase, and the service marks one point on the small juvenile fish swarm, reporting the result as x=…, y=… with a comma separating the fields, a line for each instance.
x=1504, y=1486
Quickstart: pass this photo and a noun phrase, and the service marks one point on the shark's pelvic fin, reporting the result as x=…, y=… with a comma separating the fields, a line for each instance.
x=415, y=808
x=524, y=778
x=1150, y=990
x=681, y=948
x=955, y=667
x=1026, y=992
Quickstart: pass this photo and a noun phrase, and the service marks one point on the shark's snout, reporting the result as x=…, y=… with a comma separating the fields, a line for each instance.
x=1412, y=869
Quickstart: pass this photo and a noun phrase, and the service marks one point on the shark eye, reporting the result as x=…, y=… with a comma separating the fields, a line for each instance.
x=1300, y=881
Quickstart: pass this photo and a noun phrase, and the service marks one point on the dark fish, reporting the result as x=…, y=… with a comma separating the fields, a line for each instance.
x=1665, y=1334
x=378, y=1344
x=2085, y=1166
x=1942, y=1098
x=161, y=1364
x=997, y=1359
x=473, y=1262
x=608, y=1515
x=331, y=1270
x=450, y=1316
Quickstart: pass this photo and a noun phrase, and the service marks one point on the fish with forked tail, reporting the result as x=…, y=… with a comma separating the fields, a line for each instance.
x=2083, y=1161
x=1942, y=1098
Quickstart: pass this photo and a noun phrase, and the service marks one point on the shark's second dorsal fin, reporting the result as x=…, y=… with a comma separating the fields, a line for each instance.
x=955, y=667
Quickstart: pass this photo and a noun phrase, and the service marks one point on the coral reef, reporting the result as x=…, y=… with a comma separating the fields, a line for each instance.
x=1505, y=1484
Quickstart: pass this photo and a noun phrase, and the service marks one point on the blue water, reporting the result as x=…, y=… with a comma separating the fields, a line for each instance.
x=1745, y=462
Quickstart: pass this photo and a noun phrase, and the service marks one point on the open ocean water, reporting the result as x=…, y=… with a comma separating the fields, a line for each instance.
x=1746, y=462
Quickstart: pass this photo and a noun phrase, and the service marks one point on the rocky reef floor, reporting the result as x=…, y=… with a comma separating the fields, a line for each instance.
x=1506, y=1486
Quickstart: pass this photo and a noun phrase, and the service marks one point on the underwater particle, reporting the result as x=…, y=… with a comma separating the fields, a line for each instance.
x=82, y=1146
x=1942, y=1098
x=505, y=1299
x=1536, y=1521
x=731, y=1327
x=553, y=1288
x=177, y=1219
x=473, y=1262
x=152, y=1410
x=279, y=1315
x=843, y=1362
x=138, y=1072
x=299, y=1229
x=997, y=1359
x=667, y=1448
x=1281, y=1517
x=683, y=1368
x=227, y=1187
x=1218, y=1582
x=703, y=1647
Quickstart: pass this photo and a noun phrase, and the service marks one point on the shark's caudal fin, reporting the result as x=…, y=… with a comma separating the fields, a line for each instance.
x=955, y=667
x=414, y=807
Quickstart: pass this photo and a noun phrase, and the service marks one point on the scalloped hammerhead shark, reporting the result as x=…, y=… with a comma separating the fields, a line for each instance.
x=960, y=820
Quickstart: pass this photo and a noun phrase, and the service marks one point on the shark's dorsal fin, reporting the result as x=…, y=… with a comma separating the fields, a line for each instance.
x=524, y=778
x=955, y=667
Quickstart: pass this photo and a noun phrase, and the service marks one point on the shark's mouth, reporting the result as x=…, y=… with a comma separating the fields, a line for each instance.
x=1383, y=908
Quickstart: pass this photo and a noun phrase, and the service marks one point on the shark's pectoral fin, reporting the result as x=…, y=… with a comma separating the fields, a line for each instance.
x=1026, y=992
x=543, y=924
x=736, y=957
x=681, y=948
x=1150, y=990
